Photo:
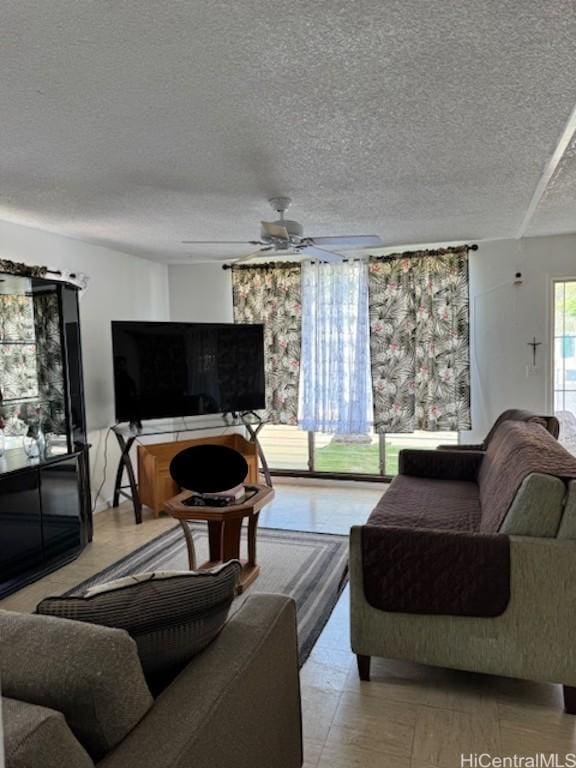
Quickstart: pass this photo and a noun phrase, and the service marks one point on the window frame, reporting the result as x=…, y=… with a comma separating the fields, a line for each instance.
x=550, y=382
x=312, y=472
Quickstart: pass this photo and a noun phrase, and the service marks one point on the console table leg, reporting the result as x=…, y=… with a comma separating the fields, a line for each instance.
x=254, y=438
x=136, y=503
x=125, y=462
x=118, y=483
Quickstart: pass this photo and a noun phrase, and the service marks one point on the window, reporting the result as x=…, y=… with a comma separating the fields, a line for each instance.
x=294, y=450
x=565, y=360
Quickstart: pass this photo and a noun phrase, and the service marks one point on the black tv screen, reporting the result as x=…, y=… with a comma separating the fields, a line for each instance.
x=186, y=369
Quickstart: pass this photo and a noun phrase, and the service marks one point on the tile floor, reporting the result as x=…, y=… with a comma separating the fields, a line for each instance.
x=408, y=716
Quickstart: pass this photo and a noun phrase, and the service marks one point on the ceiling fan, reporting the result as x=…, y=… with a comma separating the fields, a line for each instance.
x=286, y=236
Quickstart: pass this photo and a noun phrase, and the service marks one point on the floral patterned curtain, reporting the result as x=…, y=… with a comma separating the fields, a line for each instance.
x=419, y=341
x=270, y=294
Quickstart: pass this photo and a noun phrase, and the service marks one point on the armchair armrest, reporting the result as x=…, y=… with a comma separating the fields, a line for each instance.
x=417, y=570
x=441, y=465
x=236, y=704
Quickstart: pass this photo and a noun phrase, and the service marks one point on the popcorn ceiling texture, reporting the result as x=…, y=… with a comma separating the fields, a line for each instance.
x=137, y=125
x=556, y=213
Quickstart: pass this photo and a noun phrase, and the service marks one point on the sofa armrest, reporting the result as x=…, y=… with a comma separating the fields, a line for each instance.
x=441, y=465
x=432, y=572
x=461, y=447
x=236, y=705
x=540, y=620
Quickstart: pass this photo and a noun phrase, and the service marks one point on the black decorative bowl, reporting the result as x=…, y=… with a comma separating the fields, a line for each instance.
x=208, y=468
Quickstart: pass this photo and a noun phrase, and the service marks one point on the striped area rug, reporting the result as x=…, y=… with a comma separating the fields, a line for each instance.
x=312, y=568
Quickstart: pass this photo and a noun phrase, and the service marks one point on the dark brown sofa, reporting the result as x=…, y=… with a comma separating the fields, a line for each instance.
x=468, y=561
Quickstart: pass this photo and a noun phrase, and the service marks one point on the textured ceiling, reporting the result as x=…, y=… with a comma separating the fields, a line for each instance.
x=138, y=124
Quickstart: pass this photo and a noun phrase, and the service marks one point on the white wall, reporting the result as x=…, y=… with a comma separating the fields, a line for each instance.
x=200, y=293
x=121, y=287
x=505, y=317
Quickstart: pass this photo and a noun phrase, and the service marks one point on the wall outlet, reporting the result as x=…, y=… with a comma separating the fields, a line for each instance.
x=531, y=370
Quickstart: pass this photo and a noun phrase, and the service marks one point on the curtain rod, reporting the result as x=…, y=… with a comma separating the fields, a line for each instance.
x=400, y=255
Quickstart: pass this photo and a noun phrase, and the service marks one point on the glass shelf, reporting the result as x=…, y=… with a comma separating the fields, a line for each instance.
x=3, y=342
x=169, y=426
x=16, y=459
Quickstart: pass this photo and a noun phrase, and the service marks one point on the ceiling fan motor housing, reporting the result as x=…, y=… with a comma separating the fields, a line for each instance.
x=294, y=229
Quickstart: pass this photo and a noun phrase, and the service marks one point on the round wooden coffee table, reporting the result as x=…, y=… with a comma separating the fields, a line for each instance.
x=224, y=530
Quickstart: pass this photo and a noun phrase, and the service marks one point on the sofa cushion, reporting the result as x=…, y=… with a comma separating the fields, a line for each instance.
x=567, y=528
x=517, y=450
x=537, y=507
x=37, y=737
x=172, y=615
x=91, y=674
x=414, y=502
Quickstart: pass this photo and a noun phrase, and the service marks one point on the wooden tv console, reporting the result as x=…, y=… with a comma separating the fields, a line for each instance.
x=155, y=485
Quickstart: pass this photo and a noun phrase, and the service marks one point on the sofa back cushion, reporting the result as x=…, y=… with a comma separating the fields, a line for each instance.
x=537, y=507
x=517, y=450
x=89, y=673
x=37, y=737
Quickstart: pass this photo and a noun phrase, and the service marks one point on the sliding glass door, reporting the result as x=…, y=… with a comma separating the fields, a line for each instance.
x=564, y=363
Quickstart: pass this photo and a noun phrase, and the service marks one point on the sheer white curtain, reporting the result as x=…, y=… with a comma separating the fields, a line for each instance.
x=335, y=385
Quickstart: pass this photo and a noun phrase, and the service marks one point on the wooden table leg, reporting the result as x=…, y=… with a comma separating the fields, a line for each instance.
x=252, y=526
x=231, y=539
x=215, y=540
x=189, y=544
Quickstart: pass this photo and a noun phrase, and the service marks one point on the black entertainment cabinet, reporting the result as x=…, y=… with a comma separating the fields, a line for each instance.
x=45, y=505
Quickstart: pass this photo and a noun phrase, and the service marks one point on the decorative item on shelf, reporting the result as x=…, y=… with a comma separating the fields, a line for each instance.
x=31, y=445
x=35, y=440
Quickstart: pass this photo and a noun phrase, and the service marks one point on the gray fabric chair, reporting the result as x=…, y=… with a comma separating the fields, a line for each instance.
x=235, y=705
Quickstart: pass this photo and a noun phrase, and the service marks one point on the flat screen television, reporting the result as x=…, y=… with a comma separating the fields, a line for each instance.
x=186, y=369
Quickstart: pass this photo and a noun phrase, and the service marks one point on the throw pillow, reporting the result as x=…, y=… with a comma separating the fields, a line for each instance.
x=170, y=615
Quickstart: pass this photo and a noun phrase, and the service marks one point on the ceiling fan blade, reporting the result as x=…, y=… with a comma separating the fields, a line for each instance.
x=221, y=242
x=348, y=241
x=230, y=258
x=320, y=254
x=253, y=255
x=271, y=229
